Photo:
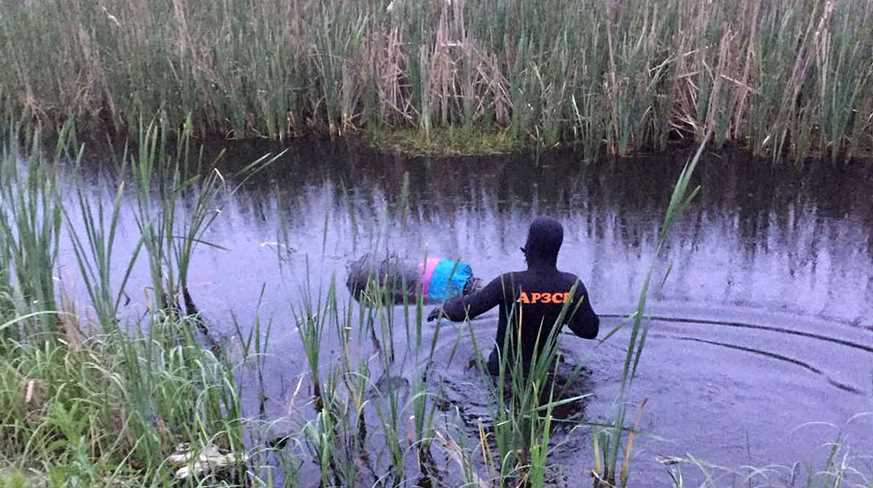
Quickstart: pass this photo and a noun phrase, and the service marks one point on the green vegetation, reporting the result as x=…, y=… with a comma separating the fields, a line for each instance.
x=86, y=402
x=88, y=398
x=784, y=78
x=449, y=141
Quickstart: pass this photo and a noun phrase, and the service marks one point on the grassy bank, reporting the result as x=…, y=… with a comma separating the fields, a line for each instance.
x=90, y=398
x=85, y=399
x=783, y=78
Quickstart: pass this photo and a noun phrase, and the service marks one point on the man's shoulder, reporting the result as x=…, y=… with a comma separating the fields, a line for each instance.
x=570, y=278
x=510, y=280
x=511, y=276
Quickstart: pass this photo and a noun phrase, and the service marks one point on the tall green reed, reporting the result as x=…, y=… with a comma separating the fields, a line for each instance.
x=787, y=78
x=311, y=320
x=348, y=392
x=94, y=253
x=609, y=442
x=30, y=224
x=178, y=197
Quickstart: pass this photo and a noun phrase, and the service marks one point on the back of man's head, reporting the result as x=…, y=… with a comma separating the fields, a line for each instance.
x=544, y=240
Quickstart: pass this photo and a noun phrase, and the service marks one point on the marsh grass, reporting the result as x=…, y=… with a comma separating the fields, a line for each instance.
x=787, y=78
x=104, y=405
x=374, y=405
x=450, y=141
x=109, y=412
x=94, y=254
x=178, y=197
x=840, y=468
x=30, y=226
x=311, y=321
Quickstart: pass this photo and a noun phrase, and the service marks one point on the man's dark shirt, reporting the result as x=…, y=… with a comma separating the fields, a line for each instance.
x=533, y=298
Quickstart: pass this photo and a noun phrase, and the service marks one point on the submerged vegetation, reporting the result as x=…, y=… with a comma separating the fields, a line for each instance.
x=784, y=78
x=90, y=397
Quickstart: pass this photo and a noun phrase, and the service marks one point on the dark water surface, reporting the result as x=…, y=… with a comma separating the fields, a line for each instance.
x=761, y=342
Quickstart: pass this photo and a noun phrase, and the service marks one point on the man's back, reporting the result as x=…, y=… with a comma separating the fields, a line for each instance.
x=532, y=301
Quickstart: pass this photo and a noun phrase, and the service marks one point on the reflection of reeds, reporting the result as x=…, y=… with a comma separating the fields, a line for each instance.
x=784, y=77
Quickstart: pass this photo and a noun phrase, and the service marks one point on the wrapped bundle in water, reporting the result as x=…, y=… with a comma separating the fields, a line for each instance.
x=437, y=279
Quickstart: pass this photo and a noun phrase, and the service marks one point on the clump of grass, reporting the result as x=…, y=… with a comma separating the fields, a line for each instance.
x=111, y=411
x=95, y=409
x=30, y=225
x=450, y=141
x=163, y=182
x=311, y=322
x=94, y=254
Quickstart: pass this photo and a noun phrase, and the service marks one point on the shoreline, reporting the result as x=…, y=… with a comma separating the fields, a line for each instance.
x=452, y=143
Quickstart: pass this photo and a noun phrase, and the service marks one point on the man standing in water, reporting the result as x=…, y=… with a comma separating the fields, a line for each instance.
x=532, y=300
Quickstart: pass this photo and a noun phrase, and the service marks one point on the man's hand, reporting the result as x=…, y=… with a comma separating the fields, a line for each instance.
x=436, y=313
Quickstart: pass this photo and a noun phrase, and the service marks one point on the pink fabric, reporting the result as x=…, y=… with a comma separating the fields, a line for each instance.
x=426, y=272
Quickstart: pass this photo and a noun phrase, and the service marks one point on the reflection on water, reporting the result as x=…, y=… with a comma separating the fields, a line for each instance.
x=763, y=324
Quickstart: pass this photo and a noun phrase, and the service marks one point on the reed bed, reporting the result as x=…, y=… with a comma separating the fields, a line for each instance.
x=784, y=78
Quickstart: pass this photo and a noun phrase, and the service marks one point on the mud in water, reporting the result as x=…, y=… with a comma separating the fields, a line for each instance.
x=761, y=341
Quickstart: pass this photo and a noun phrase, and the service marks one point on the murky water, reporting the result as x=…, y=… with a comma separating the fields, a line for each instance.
x=761, y=343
